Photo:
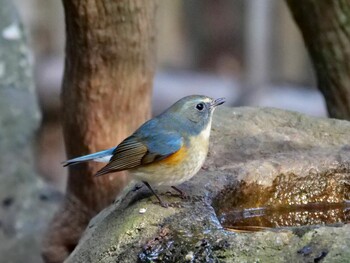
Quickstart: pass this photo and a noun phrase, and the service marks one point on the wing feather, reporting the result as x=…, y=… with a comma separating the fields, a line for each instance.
x=140, y=149
x=126, y=156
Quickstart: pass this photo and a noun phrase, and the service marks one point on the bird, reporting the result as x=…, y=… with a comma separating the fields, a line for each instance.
x=167, y=150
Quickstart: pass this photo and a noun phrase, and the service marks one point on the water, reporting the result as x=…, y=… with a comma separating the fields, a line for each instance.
x=256, y=219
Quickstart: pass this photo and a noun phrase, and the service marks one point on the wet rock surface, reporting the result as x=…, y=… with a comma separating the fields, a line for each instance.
x=258, y=158
x=25, y=204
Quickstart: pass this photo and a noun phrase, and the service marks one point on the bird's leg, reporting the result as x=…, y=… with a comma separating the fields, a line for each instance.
x=183, y=195
x=160, y=200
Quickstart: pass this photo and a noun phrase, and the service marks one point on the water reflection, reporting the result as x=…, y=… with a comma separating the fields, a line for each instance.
x=256, y=219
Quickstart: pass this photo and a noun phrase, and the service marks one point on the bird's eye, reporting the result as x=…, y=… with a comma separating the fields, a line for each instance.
x=200, y=106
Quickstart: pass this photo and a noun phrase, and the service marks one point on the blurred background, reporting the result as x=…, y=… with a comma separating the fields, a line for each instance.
x=249, y=51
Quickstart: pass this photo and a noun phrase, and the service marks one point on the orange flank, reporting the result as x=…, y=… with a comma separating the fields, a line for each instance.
x=175, y=158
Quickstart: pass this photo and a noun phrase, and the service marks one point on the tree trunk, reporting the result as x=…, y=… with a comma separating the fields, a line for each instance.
x=106, y=95
x=325, y=26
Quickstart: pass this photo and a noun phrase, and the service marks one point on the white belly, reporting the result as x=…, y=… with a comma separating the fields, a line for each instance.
x=172, y=175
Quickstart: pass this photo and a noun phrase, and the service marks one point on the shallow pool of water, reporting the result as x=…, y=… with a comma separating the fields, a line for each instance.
x=260, y=218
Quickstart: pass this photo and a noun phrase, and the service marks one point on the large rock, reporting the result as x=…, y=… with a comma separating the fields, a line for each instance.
x=258, y=158
x=24, y=202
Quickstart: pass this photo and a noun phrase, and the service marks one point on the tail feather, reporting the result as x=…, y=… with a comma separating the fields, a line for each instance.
x=102, y=156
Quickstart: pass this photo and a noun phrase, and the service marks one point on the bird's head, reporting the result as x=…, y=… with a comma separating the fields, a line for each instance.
x=195, y=112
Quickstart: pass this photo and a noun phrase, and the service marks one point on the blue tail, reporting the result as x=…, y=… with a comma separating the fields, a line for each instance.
x=102, y=156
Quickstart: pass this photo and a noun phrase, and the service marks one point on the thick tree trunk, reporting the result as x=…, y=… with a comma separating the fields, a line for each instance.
x=109, y=67
x=325, y=26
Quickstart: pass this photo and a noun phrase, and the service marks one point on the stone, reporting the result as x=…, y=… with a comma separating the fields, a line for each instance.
x=258, y=158
x=25, y=203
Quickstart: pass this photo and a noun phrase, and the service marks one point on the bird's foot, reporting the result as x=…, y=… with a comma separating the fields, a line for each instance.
x=163, y=204
x=183, y=195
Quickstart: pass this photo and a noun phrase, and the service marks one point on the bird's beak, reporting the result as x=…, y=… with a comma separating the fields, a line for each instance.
x=218, y=102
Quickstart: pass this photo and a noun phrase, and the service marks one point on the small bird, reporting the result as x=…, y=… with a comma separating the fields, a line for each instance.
x=166, y=150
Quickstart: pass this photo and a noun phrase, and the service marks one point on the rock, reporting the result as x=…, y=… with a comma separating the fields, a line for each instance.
x=25, y=204
x=259, y=157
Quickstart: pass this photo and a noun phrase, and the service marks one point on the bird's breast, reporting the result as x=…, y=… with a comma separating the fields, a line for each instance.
x=178, y=167
x=176, y=158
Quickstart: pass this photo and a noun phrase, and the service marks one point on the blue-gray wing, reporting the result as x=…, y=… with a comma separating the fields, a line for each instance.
x=150, y=143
